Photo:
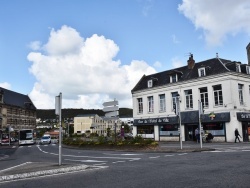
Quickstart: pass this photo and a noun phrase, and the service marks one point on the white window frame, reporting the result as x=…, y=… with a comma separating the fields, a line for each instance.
x=162, y=103
x=248, y=69
x=204, y=98
x=238, y=69
x=189, y=99
x=150, y=83
x=150, y=104
x=173, y=76
x=219, y=94
x=240, y=91
x=140, y=105
x=202, y=72
x=174, y=100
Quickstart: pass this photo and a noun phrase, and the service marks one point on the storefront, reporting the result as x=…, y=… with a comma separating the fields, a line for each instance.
x=167, y=129
x=244, y=118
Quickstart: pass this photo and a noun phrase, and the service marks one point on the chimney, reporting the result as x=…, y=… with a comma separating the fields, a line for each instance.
x=191, y=62
x=248, y=53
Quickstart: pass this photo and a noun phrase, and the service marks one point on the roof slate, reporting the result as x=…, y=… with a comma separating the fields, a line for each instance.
x=16, y=99
x=212, y=66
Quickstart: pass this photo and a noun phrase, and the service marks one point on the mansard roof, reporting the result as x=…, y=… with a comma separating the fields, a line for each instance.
x=16, y=99
x=213, y=66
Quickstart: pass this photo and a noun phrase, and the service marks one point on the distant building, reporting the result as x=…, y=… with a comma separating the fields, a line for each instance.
x=16, y=110
x=95, y=124
x=223, y=87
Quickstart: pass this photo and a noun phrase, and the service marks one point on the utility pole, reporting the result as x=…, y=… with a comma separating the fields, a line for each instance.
x=200, y=127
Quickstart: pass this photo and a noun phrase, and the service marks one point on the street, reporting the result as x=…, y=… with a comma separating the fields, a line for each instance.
x=228, y=166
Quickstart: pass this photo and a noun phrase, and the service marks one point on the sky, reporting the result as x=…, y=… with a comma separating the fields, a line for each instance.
x=96, y=51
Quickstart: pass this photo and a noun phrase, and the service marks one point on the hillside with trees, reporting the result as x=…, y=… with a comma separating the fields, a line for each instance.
x=70, y=113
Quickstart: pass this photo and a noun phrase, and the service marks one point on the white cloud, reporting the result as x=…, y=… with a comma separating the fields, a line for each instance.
x=176, y=62
x=157, y=64
x=175, y=40
x=218, y=18
x=5, y=85
x=35, y=45
x=83, y=70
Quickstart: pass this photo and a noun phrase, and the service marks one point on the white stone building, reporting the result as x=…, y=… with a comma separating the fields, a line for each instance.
x=223, y=87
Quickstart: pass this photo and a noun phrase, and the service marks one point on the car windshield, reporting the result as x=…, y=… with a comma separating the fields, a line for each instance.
x=45, y=137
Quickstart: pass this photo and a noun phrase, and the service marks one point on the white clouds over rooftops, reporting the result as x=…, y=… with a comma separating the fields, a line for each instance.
x=83, y=70
x=218, y=18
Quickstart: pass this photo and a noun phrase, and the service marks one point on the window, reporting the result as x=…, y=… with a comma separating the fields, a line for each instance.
x=218, y=99
x=189, y=98
x=1, y=98
x=240, y=90
x=238, y=68
x=169, y=130
x=140, y=105
x=174, y=100
x=150, y=83
x=204, y=96
x=150, y=104
x=173, y=78
x=202, y=72
x=248, y=69
x=162, y=103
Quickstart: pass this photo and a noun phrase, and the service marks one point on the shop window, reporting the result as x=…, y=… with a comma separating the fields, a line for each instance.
x=216, y=129
x=169, y=130
x=147, y=129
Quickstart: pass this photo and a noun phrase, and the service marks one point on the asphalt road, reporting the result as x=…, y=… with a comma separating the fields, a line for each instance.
x=227, y=167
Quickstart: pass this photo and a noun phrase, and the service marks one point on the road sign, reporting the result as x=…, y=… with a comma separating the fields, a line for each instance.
x=110, y=103
x=112, y=114
x=110, y=108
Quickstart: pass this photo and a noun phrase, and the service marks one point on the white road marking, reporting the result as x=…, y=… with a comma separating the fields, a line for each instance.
x=126, y=154
x=154, y=157
x=182, y=154
x=169, y=155
x=86, y=161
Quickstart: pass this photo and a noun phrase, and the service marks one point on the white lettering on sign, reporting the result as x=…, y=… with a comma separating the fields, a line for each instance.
x=245, y=116
x=156, y=120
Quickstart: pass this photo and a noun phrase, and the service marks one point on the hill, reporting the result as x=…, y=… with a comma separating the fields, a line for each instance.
x=70, y=113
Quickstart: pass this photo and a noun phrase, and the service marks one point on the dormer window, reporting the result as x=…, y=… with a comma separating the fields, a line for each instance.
x=202, y=72
x=248, y=69
x=1, y=98
x=150, y=83
x=238, y=68
x=173, y=78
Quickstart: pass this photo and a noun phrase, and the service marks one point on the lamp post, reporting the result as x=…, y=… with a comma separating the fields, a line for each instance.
x=178, y=112
x=58, y=111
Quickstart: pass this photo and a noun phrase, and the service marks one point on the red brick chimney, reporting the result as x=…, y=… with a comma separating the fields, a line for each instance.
x=190, y=62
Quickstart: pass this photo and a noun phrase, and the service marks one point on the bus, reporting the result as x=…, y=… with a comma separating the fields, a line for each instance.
x=26, y=137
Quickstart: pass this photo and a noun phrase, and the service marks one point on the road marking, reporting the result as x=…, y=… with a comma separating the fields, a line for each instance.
x=15, y=166
x=182, y=154
x=119, y=162
x=100, y=164
x=125, y=154
x=154, y=157
x=169, y=155
x=245, y=150
x=87, y=161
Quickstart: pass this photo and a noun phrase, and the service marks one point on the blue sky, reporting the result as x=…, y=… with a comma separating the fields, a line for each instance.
x=95, y=51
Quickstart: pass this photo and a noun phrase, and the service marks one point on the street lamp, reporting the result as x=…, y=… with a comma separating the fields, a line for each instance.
x=178, y=112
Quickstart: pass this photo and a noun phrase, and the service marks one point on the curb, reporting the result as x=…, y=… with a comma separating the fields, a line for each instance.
x=6, y=178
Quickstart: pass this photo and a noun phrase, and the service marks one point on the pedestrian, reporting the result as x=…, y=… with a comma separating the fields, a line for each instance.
x=197, y=135
x=237, y=135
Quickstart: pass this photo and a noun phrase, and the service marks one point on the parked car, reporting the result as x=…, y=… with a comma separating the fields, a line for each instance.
x=5, y=141
x=46, y=139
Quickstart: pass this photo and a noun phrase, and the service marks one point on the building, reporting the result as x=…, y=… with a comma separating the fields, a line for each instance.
x=221, y=86
x=95, y=124
x=16, y=111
